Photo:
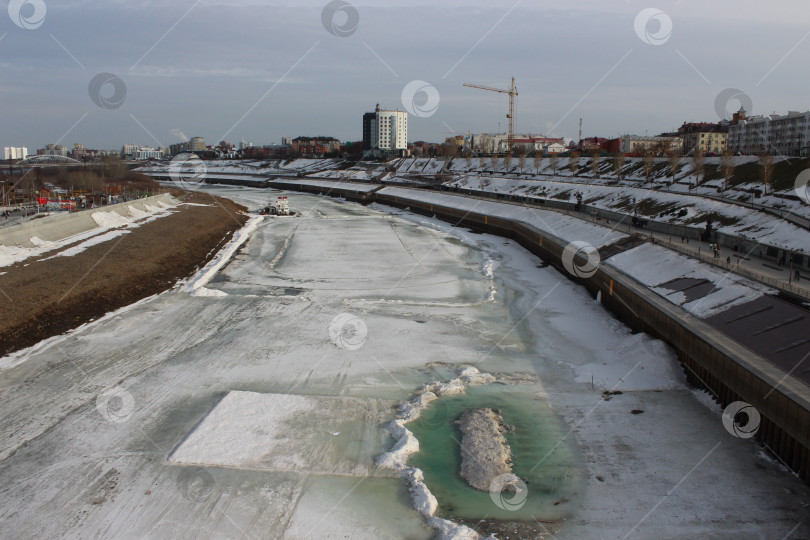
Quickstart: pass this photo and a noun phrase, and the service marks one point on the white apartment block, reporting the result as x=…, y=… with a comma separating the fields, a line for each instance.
x=787, y=135
x=390, y=130
x=15, y=152
x=144, y=153
x=128, y=151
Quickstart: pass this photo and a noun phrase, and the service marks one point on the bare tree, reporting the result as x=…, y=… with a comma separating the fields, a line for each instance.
x=468, y=158
x=522, y=161
x=115, y=167
x=727, y=164
x=573, y=163
x=699, y=164
x=507, y=162
x=766, y=161
x=538, y=160
x=618, y=163
x=482, y=162
x=493, y=160
x=674, y=157
x=595, y=157
x=450, y=149
x=86, y=180
x=555, y=160
x=649, y=165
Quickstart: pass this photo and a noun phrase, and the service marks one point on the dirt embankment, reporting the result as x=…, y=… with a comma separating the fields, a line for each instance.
x=43, y=298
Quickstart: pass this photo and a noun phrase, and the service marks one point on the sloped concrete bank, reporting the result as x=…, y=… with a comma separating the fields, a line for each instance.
x=711, y=359
x=60, y=226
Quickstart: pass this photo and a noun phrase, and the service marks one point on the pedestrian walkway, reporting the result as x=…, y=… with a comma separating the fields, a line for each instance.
x=745, y=264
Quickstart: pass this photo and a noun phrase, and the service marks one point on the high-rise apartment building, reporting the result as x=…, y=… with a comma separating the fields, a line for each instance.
x=15, y=152
x=386, y=130
x=197, y=144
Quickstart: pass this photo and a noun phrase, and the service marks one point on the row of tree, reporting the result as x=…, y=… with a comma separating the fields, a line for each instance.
x=674, y=160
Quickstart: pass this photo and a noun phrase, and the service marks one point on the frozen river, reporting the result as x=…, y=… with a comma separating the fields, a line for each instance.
x=255, y=409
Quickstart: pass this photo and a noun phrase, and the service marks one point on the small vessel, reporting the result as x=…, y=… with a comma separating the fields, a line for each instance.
x=279, y=208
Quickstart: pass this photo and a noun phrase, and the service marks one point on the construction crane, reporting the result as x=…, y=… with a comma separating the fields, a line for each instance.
x=512, y=91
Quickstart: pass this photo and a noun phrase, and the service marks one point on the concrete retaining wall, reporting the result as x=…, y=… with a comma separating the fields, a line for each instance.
x=60, y=226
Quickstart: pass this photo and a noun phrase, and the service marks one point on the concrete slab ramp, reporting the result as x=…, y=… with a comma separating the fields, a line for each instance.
x=61, y=226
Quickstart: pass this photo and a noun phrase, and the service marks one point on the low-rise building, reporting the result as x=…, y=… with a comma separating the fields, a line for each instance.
x=592, y=144
x=315, y=146
x=178, y=148
x=547, y=145
x=144, y=152
x=53, y=150
x=497, y=143
x=80, y=153
x=268, y=152
x=642, y=144
x=704, y=137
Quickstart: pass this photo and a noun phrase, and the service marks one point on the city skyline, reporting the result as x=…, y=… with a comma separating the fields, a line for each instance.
x=262, y=70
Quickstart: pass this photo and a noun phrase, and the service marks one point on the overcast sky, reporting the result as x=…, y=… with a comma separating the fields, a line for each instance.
x=261, y=70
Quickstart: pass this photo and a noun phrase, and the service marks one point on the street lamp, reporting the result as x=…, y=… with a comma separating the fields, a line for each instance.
x=790, y=272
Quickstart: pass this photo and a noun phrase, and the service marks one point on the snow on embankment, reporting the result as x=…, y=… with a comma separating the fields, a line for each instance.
x=406, y=444
x=655, y=266
x=745, y=222
x=196, y=283
x=567, y=228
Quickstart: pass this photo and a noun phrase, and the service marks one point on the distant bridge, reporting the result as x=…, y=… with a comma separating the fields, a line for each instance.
x=48, y=160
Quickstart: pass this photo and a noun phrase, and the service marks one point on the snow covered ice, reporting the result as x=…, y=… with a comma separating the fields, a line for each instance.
x=247, y=419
